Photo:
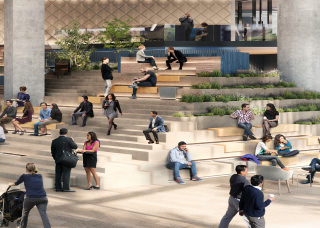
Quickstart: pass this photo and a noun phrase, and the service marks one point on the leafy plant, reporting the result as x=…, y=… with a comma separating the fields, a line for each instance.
x=76, y=47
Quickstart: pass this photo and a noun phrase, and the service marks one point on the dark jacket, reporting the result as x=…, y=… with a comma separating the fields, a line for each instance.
x=115, y=107
x=159, y=124
x=106, y=72
x=85, y=107
x=60, y=144
x=186, y=21
x=10, y=112
x=252, y=202
x=56, y=115
x=179, y=55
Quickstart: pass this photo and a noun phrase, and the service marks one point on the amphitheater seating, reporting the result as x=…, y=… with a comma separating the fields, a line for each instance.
x=49, y=127
x=200, y=64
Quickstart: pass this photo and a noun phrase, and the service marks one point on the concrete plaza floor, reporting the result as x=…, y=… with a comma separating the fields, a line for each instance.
x=191, y=205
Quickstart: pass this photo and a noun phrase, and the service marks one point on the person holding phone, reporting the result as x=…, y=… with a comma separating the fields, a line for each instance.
x=179, y=158
x=284, y=147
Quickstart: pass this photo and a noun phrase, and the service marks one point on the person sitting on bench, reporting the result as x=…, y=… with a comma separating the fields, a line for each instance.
x=175, y=56
x=149, y=80
x=8, y=114
x=2, y=136
x=179, y=158
x=265, y=154
x=141, y=57
x=283, y=146
x=244, y=117
x=55, y=117
x=156, y=125
x=44, y=115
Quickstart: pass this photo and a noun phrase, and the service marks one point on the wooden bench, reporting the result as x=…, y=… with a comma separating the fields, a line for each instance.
x=49, y=127
x=198, y=64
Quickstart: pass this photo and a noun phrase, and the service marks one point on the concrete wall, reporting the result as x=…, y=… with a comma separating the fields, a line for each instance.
x=24, y=49
x=298, y=42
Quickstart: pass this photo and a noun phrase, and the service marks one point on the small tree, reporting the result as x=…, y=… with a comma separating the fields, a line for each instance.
x=117, y=36
x=75, y=47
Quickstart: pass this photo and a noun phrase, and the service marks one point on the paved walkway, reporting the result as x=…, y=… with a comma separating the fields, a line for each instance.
x=191, y=205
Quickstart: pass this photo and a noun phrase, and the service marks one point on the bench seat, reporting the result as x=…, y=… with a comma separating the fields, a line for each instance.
x=49, y=127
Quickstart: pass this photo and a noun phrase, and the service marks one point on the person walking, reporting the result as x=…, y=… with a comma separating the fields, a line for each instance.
x=106, y=72
x=89, y=151
x=35, y=195
x=60, y=145
x=244, y=117
x=8, y=114
x=26, y=117
x=175, y=56
x=156, y=125
x=85, y=110
x=237, y=183
x=111, y=106
x=187, y=24
x=270, y=119
x=252, y=204
x=141, y=57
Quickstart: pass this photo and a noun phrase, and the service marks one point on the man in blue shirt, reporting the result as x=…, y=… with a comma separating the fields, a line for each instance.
x=44, y=115
x=179, y=158
x=252, y=203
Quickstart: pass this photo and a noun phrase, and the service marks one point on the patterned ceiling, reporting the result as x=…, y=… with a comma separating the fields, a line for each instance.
x=93, y=13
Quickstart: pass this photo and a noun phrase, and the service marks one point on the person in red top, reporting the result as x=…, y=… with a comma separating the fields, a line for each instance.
x=244, y=117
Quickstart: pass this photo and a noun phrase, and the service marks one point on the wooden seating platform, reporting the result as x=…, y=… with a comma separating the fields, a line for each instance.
x=49, y=127
x=199, y=64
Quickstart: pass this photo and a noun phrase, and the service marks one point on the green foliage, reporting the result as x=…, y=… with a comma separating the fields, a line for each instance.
x=117, y=35
x=181, y=114
x=75, y=47
x=241, y=75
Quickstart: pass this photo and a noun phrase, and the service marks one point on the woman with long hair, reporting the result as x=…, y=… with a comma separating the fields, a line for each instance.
x=89, y=151
x=284, y=147
x=111, y=107
x=26, y=117
x=22, y=96
x=265, y=154
x=55, y=117
x=270, y=119
x=35, y=195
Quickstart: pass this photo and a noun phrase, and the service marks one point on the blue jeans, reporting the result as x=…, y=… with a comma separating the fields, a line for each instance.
x=176, y=166
x=36, y=127
x=315, y=164
x=2, y=140
x=247, y=128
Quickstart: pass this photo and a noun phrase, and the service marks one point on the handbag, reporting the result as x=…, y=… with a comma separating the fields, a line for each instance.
x=68, y=159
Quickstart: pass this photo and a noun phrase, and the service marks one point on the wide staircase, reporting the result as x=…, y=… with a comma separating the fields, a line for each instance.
x=125, y=159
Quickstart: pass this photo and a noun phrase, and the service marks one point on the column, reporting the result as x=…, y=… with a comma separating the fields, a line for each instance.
x=24, y=48
x=298, y=42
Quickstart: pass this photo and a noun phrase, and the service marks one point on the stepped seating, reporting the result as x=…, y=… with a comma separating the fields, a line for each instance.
x=49, y=127
x=199, y=64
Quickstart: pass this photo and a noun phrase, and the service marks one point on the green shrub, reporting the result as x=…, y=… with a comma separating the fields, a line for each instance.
x=304, y=122
x=216, y=73
x=178, y=114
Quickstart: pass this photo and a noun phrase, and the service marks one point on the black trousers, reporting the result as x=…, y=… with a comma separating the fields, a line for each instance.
x=41, y=204
x=147, y=134
x=62, y=177
x=188, y=31
x=75, y=118
x=149, y=60
x=173, y=60
x=142, y=84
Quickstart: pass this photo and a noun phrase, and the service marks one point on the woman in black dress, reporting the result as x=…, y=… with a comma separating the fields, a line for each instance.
x=89, y=151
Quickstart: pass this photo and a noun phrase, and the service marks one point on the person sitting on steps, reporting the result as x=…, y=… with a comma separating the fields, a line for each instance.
x=270, y=119
x=175, y=56
x=141, y=57
x=22, y=96
x=55, y=117
x=312, y=169
x=283, y=146
x=156, y=125
x=26, y=117
x=265, y=154
x=44, y=115
x=110, y=106
x=2, y=136
x=179, y=158
x=8, y=114
x=85, y=110
x=149, y=80
x=244, y=117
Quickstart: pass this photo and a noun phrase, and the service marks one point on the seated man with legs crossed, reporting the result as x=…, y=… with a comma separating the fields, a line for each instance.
x=149, y=80
x=44, y=115
x=8, y=114
x=244, y=117
x=156, y=125
x=237, y=183
x=179, y=158
x=313, y=168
